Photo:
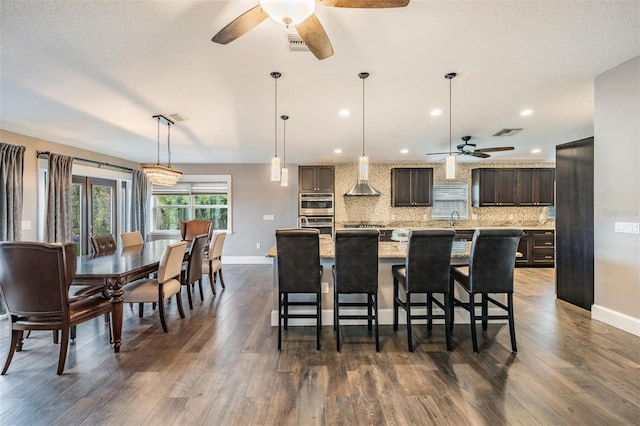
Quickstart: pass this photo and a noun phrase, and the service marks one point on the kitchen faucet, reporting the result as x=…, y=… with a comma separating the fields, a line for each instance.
x=302, y=219
x=452, y=222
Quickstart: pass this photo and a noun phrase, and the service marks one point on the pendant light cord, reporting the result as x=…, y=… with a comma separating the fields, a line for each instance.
x=363, y=115
x=450, y=101
x=158, y=118
x=168, y=144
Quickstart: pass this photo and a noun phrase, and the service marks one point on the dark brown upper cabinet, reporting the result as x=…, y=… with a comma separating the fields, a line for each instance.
x=535, y=187
x=316, y=179
x=493, y=187
x=411, y=187
x=512, y=187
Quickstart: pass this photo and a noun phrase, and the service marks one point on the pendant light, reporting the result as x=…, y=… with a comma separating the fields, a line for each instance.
x=284, y=177
x=450, y=162
x=362, y=187
x=275, y=161
x=159, y=174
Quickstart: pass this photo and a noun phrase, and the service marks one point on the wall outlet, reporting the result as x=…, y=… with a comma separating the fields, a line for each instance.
x=257, y=245
x=325, y=287
x=267, y=217
x=393, y=217
x=510, y=217
x=424, y=217
x=474, y=216
x=26, y=225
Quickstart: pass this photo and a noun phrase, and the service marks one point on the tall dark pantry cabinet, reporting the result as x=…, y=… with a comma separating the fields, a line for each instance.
x=574, y=222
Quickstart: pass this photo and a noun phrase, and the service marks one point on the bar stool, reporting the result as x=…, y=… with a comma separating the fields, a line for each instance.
x=299, y=271
x=356, y=272
x=426, y=271
x=490, y=270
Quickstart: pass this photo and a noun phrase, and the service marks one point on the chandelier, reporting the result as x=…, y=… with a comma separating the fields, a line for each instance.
x=159, y=174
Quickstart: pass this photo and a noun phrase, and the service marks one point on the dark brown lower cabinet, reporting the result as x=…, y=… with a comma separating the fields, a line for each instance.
x=537, y=248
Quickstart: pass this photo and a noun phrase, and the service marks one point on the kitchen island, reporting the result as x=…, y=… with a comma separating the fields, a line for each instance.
x=389, y=254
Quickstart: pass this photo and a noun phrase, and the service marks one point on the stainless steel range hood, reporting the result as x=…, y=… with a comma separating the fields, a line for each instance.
x=363, y=188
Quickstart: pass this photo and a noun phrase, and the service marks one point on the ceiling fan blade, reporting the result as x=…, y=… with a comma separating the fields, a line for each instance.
x=315, y=37
x=495, y=149
x=443, y=153
x=479, y=154
x=242, y=24
x=364, y=4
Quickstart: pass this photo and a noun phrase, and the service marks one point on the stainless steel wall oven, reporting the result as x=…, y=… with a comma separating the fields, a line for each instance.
x=315, y=205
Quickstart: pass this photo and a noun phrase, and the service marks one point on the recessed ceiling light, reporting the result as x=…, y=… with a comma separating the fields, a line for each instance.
x=344, y=112
x=536, y=151
x=404, y=151
x=526, y=112
x=337, y=151
x=436, y=112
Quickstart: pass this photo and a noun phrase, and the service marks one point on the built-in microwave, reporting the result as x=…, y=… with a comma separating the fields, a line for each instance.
x=315, y=205
x=324, y=224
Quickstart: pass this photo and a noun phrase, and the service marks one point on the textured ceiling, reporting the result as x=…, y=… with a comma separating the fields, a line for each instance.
x=92, y=73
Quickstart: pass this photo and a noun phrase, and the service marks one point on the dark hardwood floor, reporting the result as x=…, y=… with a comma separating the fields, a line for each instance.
x=220, y=366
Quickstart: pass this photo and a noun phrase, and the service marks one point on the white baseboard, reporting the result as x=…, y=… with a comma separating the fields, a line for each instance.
x=616, y=319
x=386, y=317
x=247, y=260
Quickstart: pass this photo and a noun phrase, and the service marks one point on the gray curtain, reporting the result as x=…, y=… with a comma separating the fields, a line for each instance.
x=11, y=188
x=58, y=215
x=138, y=201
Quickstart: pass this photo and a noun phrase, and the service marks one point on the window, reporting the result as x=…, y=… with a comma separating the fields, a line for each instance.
x=202, y=197
x=449, y=197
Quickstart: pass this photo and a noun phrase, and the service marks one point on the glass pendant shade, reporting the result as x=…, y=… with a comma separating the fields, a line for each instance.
x=288, y=12
x=284, y=177
x=363, y=168
x=450, y=167
x=275, y=169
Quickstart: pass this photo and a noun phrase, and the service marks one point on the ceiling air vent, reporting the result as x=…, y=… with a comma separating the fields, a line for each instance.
x=178, y=117
x=296, y=44
x=507, y=132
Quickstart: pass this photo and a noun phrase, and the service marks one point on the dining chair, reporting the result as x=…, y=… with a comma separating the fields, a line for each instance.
x=103, y=243
x=37, y=298
x=299, y=271
x=425, y=272
x=490, y=270
x=189, y=229
x=129, y=239
x=212, y=263
x=193, y=269
x=167, y=283
x=356, y=273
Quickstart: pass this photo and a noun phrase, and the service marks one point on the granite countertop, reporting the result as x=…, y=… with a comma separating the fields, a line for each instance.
x=463, y=224
x=386, y=250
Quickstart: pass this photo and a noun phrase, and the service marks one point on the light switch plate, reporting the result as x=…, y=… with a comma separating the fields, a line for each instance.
x=267, y=217
x=627, y=227
x=325, y=287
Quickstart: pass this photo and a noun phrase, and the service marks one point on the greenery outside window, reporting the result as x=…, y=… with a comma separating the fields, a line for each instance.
x=197, y=199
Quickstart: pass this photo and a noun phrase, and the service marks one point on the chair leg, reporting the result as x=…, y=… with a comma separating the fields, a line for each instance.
x=189, y=296
x=447, y=318
x=395, y=304
x=64, y=344
x=408, y=309
x=336, y=322
x=374, y=299
x=285, y=308
x=140, y=310
x=221, y=279
x=485, y=310
x=319, y=314
x=512, y=323
x=55, y=338
x=452, y=307
x=201, y=293
x=180, y=308
x=211, y=280
x=16, y=337
x=161, y=310
x=280, y=321
x=472, y=314
x=429, y=311
x=73, y=333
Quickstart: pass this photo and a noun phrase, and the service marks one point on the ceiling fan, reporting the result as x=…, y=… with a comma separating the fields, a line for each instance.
x=300, y=14
x=467, y=148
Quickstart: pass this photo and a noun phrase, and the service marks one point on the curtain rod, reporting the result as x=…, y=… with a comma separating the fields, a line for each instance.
x=98, y=163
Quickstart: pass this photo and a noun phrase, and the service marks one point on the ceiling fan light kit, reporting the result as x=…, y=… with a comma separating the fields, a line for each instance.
x=159, y=174
x=299, y=13
x=288, y=12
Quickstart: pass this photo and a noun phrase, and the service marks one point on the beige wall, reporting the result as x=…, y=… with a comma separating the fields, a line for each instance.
x=378, y=209
x=617, y=196
x=32, y=145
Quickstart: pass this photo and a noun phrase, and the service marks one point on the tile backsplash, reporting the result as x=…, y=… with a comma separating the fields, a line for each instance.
x=379, y=210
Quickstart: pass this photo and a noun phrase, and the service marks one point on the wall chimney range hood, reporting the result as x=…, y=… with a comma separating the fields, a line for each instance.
x=362, y=188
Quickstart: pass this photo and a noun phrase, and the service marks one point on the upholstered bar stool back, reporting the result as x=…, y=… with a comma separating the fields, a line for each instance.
x=426, y=271
x=356, y=271
x=299, y=271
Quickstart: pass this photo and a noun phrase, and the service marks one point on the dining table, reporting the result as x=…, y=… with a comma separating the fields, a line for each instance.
x=113, y=270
